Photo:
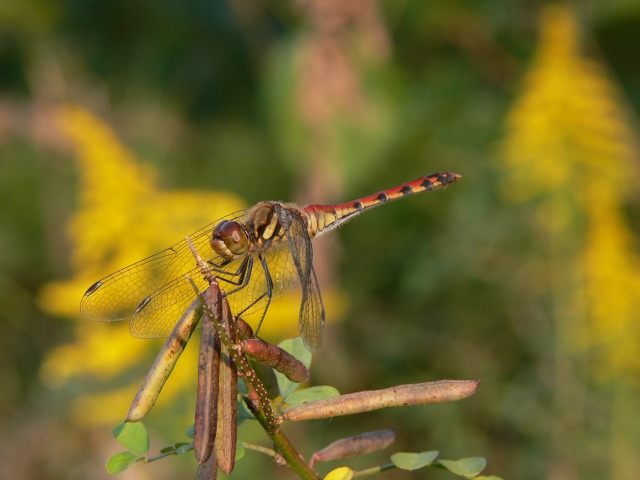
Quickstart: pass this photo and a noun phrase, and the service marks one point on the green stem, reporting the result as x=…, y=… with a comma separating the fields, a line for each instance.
x=165, y=454
x=372, y=471
x=267, y=451
x=284, y=447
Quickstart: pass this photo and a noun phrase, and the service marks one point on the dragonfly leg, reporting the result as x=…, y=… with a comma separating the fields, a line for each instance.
x=218, y=268
x=245, y=275
x=244, y=272
x=268, y=294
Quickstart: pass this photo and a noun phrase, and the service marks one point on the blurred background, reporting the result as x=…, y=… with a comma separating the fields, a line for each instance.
x=124, y=126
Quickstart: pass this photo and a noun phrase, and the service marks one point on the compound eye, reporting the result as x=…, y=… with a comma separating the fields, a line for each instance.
x=232, y=235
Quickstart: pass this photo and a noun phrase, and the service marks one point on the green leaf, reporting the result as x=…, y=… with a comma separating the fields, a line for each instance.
x=311, y=394
x=121, y=461
x=296, y=347
x=244, y=413
x=178, y=448
x=465, y=467
x=240, y=451
x=132, y=435
x=488, y=477
x=189, y=433
x=285, y=385
x=413, y=461
x=183, y=447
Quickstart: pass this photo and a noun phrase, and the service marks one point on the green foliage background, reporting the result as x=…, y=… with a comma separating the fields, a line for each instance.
x=460, y=284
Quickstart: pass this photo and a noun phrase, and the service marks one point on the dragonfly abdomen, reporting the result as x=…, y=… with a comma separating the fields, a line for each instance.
x=322, y=218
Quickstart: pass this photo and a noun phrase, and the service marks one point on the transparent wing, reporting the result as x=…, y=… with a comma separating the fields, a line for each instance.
x=153, y=292
x=254, y=297
x=312, y=316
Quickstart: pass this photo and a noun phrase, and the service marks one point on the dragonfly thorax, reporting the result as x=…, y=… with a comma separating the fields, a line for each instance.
x=229, y=240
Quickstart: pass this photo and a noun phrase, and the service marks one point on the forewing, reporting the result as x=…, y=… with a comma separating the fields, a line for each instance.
x=153, y=292
x=311, y=321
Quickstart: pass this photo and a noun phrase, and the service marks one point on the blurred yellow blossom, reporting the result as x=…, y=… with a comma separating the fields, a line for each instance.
x=123, y=217
x=568, y=127
x=569, y=146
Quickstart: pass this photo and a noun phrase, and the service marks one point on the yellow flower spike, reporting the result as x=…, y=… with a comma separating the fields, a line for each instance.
x=569, y=144
x=97, y=352
x=103, y=408
x=567, y=99
x=122, y=217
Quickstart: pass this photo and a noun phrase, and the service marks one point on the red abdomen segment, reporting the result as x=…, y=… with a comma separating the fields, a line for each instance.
x=322, y=218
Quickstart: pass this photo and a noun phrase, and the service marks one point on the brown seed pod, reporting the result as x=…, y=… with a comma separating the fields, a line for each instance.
x=208, y=470
x=206, y=415
x=277, y=358
x=353, y=446
x=244, y=329
x=163, y=365
x=398, y=396
x=227, y=430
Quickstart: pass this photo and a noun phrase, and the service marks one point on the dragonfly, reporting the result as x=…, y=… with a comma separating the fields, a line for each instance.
x=257, y=255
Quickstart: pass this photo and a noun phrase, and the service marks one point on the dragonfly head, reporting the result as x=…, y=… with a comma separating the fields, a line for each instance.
x=229, y=240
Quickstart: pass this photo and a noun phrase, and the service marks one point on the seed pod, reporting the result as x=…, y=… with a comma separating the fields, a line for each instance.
x=353, y=446
x=208, y=470
x=206, y=414
x=401, y=395
x=164, y=363
x=227, y=430
x=276, y=357
x=268, y=377
x=244, y=329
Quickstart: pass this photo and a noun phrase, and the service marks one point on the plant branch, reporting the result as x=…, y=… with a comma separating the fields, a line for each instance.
x=279, y=459
x=373, y=470
x=257, y=400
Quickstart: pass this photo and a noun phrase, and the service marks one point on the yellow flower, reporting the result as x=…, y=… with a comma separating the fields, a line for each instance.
x=122, y=217
x=569, y=146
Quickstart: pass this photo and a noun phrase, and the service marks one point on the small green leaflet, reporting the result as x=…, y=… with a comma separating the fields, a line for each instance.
x=240, y=451
x=413, y=461
x=121, y=461
x=133, y=436
x=465, y=467
x=309, y=395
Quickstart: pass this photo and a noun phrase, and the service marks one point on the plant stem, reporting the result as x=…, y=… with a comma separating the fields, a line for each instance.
x=279, y=459
x=283, y=445
x=373, y=470
x=165, y=454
